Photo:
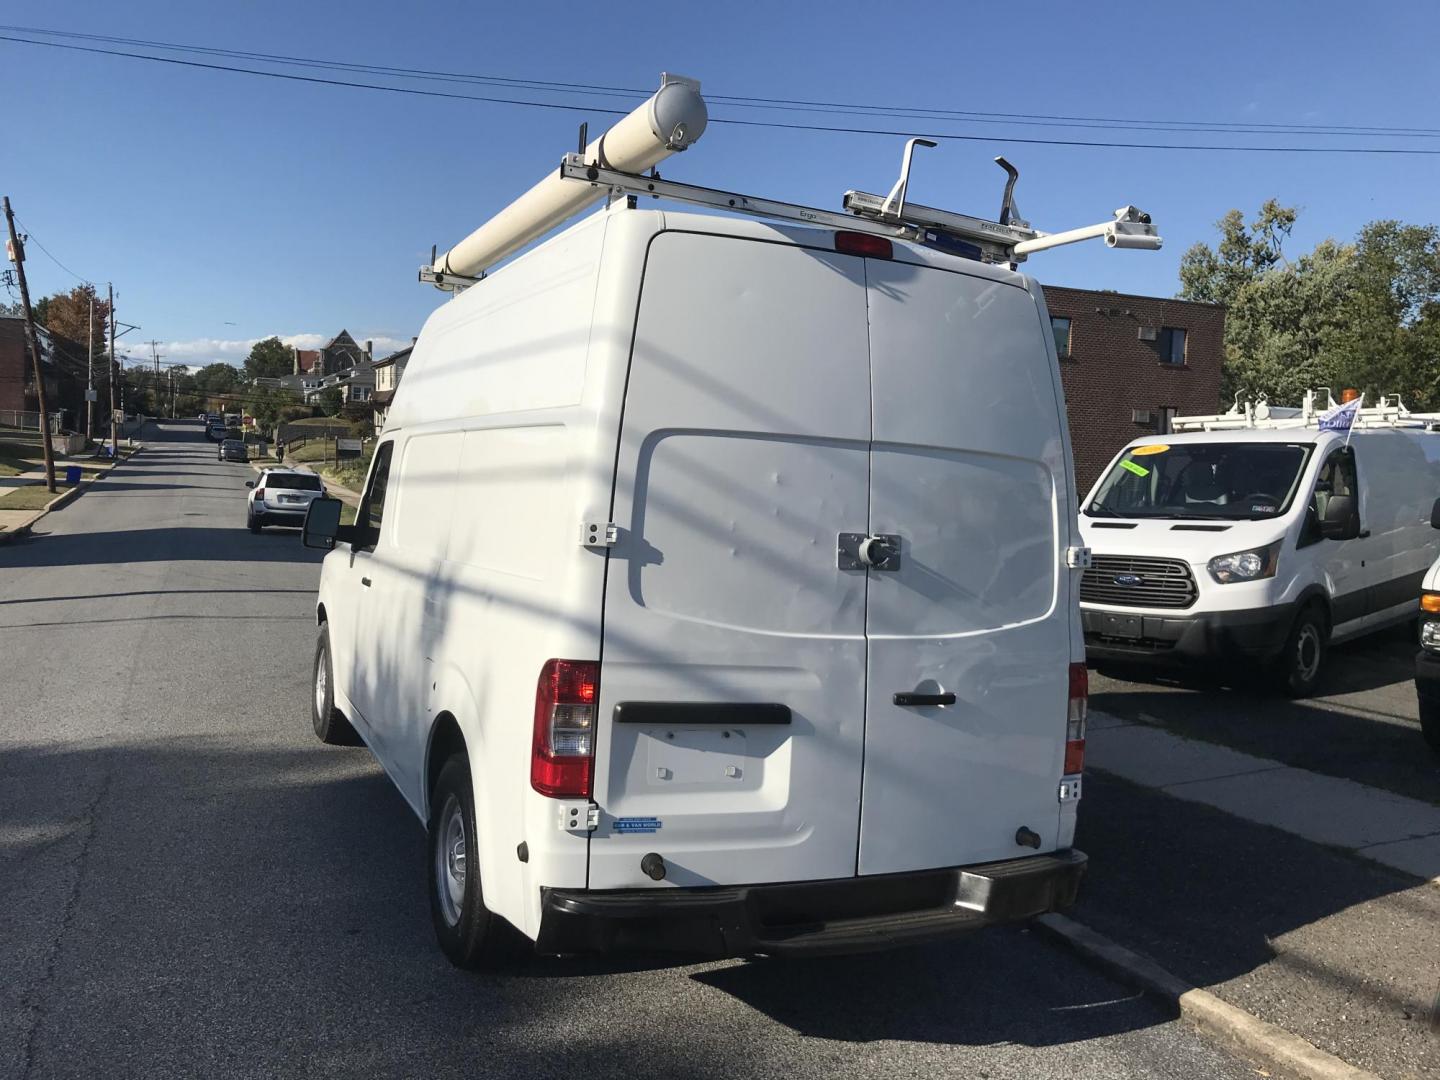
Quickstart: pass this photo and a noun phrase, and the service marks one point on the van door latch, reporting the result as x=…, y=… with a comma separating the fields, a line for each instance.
x=599, y=534
x=1077, y=558
x=862, y=551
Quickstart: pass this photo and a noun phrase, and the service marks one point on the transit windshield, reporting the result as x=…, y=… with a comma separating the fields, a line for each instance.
x=1217, y=481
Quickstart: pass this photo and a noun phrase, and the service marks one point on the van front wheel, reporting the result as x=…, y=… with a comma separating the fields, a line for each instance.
x=329, y=722
x=1430, y=725
x=1302, y=660
x=468, y=933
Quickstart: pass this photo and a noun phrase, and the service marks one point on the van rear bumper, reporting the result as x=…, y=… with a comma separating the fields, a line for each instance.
x=810, y=918
x=1257, y=634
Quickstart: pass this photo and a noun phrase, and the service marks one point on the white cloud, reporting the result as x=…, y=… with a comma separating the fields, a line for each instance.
x=234, y=350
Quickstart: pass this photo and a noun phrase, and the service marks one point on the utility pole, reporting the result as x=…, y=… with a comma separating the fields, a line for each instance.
x=114, y=370
x=90, y=374
x=17, y=254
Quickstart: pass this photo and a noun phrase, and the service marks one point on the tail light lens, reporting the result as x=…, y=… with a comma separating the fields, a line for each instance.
x=562, y=758
x=1075, y=715
x=866, y=244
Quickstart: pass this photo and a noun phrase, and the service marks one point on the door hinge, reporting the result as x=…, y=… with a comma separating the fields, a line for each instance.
x=598, y=534
x=1077, y=558
x=579, y=817
x=1070, y=789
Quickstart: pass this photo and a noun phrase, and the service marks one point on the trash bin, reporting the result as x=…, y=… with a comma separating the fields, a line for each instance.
x=72, y=474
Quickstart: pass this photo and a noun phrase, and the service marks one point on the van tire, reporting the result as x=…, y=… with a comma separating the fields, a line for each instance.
x=469, y=934
x=330, y=724
x=1430, y=725
x=1301, y=663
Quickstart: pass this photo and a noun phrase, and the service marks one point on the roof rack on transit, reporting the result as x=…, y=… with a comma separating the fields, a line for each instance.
x=1260, y=415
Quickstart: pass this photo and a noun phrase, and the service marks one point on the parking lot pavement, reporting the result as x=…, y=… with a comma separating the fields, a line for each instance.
x=191, y=885
x=1258, y=904
x=1363, y=726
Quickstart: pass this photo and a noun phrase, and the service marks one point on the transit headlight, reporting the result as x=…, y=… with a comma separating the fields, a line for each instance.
x=1430, y=636
x=1249, y=565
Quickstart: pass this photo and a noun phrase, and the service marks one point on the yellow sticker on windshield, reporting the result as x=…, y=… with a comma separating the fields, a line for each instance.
x=1138, y=470
x=1146, y=451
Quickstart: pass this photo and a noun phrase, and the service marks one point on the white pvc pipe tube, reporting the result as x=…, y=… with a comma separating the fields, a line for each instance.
x=668, y=122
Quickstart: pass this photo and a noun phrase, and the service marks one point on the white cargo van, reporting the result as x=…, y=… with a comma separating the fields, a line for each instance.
x=710, y=590
x=1263, y=539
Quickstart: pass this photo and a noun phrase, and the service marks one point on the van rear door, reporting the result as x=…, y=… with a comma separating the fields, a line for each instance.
x=967, y=470
x=732, y=687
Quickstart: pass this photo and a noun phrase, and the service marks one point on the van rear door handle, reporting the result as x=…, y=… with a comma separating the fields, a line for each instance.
x=907, y=698
x=365, y=581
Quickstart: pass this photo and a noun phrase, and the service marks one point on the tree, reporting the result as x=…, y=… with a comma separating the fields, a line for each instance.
x=269, y=359
x=332, y=401
x=67, y=314
x=217, y=378
x=1364, y=314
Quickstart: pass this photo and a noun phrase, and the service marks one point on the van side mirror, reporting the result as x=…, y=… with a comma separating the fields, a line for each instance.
x=1341, y=520
x=250, y=483
x=322, y=524
x=1435, y=515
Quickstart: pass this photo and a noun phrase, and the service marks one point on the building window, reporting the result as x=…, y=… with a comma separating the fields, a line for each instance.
x=1172, y=345
x=1060, y=327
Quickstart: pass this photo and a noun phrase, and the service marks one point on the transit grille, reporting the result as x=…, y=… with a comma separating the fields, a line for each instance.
x=1161, y=583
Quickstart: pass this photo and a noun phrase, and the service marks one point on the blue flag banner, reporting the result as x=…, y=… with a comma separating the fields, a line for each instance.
x=1341, y=417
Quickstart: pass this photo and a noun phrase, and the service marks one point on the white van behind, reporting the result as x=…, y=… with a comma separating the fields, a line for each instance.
x=711, y=589
x=1259, y=539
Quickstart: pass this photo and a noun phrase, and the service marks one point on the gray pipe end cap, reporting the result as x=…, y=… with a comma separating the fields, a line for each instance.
x=678, y=115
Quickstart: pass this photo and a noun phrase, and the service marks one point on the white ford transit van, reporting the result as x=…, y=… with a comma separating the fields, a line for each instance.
x=712, y=585
x=1261, y=542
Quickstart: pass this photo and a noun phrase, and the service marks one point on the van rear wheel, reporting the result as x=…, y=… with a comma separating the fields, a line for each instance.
x=1302, y=660
x=469, y=934
x=329, y=722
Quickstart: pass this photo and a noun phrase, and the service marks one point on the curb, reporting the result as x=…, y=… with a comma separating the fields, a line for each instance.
x=65, y=498
x=1207, y=1012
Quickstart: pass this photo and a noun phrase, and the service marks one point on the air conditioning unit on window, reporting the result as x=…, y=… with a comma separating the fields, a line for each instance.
x=1149, y=333
x=1142, y=416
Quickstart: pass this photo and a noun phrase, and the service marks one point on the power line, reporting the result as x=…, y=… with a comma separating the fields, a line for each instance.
x=834, y=129
x=31, y=236
x=742, y=101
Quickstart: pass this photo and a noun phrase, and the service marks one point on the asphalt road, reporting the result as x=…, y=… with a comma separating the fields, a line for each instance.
x=191, y=885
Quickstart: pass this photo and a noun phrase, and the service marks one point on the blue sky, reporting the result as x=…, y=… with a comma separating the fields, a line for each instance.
x=227, y=207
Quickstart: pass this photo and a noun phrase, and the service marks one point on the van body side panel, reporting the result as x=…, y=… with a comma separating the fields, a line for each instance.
x=968, y=468
x=498, y=409
x=743, y=453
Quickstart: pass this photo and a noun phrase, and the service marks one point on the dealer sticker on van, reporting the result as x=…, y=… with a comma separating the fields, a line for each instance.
x=637, y=824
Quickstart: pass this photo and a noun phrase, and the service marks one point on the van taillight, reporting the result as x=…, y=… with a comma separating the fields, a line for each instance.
x=1075, y=719
x=562, y=757
x=867, y=244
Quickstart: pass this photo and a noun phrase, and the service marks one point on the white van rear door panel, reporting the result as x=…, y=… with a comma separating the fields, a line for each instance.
x=968, y=469
x=744, y=451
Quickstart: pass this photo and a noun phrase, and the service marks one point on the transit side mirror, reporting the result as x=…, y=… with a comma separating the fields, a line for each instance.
x=322, y=524
x=1435, y=515
x=1341, y=520
x=250, y=483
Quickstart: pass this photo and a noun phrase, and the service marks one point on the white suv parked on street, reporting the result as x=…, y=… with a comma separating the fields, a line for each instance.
x=281, y=497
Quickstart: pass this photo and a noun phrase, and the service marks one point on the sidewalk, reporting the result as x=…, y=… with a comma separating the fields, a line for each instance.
x=1398, y=832
x=1308, y=901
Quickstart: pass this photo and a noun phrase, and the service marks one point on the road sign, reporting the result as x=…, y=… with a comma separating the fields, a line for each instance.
x=347, y=448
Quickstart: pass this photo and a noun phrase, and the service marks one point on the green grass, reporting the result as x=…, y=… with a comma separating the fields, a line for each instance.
x=347, y=514
x=325, y=421
x=32, y=497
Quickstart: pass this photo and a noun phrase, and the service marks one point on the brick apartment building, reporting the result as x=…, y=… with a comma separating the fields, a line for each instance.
x=64, y=373
x=1128, y=364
